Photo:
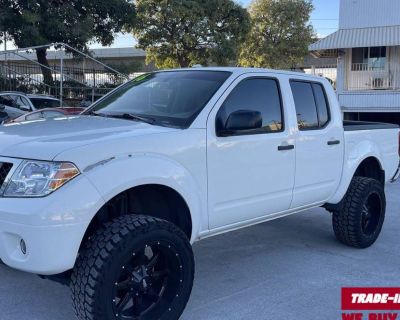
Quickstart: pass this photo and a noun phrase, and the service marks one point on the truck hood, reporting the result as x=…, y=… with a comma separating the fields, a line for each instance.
x=45, y=139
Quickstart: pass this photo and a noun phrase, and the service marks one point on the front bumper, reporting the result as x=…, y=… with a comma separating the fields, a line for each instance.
x=52, y=227
x=49, y=249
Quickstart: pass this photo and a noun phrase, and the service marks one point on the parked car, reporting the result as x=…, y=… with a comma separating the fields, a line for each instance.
x=17, y=103
x=120, y=193
x=42, y=114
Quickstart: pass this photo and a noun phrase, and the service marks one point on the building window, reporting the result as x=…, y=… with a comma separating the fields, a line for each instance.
x=365, y=59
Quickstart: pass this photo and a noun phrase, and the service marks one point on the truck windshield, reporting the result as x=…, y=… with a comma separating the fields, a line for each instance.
x=172, y=98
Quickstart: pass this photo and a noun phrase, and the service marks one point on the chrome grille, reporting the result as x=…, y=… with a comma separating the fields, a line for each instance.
x=5, y=168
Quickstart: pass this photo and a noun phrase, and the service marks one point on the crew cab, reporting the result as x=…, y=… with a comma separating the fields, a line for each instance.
x=111, y=200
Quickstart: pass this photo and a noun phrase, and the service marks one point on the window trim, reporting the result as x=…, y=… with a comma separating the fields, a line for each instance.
x=252, y=131
x=311, y=82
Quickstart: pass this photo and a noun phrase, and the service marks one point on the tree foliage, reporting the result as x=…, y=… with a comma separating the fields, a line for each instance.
x=187, y=32
x=280, y=34
x=74, y=22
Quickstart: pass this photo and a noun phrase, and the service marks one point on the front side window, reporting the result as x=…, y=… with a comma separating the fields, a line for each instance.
x=171, y=98
x=311, y=104
x=43, y=103
x=255, y=97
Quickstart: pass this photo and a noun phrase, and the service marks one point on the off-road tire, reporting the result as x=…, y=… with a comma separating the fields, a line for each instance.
x=99, y=261
x=348, y=218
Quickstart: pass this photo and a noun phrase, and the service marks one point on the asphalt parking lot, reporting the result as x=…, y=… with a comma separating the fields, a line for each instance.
x=290, y=268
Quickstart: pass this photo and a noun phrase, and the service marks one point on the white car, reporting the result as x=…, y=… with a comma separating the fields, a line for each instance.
x=112, y=200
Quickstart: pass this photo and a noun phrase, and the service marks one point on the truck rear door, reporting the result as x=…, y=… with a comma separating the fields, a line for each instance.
x=319, y=143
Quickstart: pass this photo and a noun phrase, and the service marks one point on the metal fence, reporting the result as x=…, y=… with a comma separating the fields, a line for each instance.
x=367, y=76
x=328, y=71
x=75, y=75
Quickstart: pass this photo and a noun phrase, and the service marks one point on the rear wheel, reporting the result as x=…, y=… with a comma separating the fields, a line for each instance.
x=359, y=218
x=136, y=267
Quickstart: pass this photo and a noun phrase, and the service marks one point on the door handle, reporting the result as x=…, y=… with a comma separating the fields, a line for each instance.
x=287, y=147
x=333, y=142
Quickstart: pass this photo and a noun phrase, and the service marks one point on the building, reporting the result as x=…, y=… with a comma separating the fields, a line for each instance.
x=114, y=57
x=75, y=74
x=367, y=47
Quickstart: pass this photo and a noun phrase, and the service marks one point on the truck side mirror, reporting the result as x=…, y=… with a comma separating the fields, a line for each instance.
x=241, y=120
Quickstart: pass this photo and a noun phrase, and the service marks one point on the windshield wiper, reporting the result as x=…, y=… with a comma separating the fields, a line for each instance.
x=131, y=116
x=97, y=114
x=127, y=116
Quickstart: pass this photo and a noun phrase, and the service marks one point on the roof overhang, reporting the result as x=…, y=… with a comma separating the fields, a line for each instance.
x=358, y=38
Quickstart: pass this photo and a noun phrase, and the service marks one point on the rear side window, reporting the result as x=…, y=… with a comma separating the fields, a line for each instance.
x=311, y=105
x=322, y=104
x=254, y=94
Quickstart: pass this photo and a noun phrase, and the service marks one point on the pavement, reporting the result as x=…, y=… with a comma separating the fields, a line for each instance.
x=290, y=268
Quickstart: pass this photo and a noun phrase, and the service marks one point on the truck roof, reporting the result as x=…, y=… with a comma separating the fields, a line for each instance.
x=241, y=70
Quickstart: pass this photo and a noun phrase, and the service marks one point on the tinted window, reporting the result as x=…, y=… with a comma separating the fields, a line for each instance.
x=322, y=104
x=7, y=101
x=311, y=105
x=169, y=98
x=306, y=110
x=260, y=95
x=41, y=103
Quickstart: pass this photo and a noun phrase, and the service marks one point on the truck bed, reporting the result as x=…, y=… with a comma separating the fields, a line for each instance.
x=364, y=125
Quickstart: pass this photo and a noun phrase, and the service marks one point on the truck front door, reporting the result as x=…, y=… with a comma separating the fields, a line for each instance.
x=250, y=153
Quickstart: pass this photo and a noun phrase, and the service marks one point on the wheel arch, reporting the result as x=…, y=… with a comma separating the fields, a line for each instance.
x=368, y=166
x=151, y=176
x=155, y=200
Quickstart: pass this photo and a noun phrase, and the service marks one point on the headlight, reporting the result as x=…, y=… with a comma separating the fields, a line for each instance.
x=39, y=178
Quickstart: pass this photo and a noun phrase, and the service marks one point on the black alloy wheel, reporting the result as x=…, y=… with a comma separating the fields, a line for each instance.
x=135, y=267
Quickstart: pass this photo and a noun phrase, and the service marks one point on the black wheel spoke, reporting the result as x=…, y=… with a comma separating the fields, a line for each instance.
x=123, y=302
x=153, y=261
x=137, y=301
x=123, y=284
x=159, y=274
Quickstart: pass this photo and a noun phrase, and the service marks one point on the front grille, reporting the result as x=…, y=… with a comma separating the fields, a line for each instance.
x=5, y=168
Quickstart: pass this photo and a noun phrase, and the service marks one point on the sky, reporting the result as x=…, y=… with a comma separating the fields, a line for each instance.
x=325, y=20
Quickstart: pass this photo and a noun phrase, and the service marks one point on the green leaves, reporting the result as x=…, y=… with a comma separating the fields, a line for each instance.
x=174, y=33
x=75, y=22
x=279, y=35
x=187, y=32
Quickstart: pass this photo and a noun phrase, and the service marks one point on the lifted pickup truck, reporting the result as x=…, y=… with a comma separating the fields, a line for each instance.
x=112, y=200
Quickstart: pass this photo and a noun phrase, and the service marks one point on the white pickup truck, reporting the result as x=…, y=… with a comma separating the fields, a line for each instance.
x=111, y=201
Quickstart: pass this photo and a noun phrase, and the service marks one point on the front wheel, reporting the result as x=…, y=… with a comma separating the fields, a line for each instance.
x=359, y=218
x=136, y=267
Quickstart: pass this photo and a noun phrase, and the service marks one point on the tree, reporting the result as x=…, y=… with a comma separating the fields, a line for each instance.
x=187, y=32
x=74, y=22
x=280, y=34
